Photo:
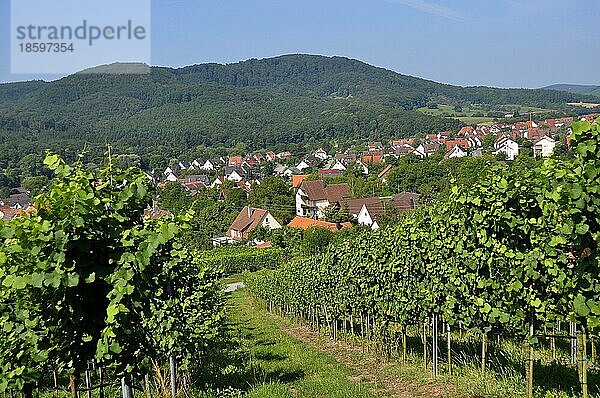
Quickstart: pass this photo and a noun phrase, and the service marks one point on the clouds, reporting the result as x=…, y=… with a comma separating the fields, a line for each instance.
x=432, y=8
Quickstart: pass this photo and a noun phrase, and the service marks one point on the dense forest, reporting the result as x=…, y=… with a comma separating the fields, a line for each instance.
x=280, y=102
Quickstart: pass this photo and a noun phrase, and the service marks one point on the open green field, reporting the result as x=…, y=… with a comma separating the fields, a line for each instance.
x=472, y=114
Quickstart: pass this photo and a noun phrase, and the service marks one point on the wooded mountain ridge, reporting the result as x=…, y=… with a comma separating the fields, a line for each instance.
x=286, y=100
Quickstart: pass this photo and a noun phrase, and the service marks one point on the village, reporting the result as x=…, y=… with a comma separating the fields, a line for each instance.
x=314, y=197
x=310, y=176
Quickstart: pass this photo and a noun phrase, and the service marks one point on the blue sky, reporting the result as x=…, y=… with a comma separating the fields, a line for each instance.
x=504, y=43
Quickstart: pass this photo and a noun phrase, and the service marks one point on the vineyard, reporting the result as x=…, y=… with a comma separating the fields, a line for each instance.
x=236, y=259
x=93, y=296
x=515, y=256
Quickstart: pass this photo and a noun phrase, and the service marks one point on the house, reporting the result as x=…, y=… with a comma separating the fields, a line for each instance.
x=290, y=171
x=534, y=134
x=508, y=146
x=474, y=142
x=18, y=198
x=320, y=154
x=218, y=182
x=375, y=146
x=210, y=165
x=347, y=157
x=195, y=178
x=427, y=149
x=462, y=142
x=330, y=173
x=456, y=152
x=172, y=169
x=382, y=176
x=7, y=213
x=184, y=165
x=305, y=164
x=196, y=164
x=194, y=182
x=248, y=220
x=363, y=166
x=369, y=157
x=354, y=206
x=368, y=216
x=297, y=180
x=403, y=150
x=270, y=156
x=279, y=169
x=334, y=164
x=234, y=173
x=444, y=135
x=465, y=131
x=306, y=223
x=313, y=196
x=544, y=147
x=171, y=177
x=309, y=162
x=235, y=161
x=405, y=201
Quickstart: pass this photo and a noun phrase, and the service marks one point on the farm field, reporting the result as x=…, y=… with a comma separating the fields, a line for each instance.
x=474, y=114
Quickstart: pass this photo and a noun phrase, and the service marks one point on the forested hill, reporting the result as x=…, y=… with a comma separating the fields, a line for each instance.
x=284, y=100
x=576, y=88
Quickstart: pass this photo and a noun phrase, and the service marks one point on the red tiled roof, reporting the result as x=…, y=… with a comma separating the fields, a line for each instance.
x=461, y=142
x=385, y=171
x=306, y=223
x=235, y=161
x=297, y=179
x=9, y=213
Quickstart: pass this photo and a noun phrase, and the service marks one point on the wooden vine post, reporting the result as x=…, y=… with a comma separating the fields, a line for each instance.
x=434, y=353
x=448, y=340
x=582, y=359
x=483, y=351
x=529, y=369
x=425, y=344
x=404, y=345
x=173, y=373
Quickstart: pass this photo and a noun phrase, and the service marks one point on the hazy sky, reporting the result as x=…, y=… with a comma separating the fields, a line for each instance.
x=505, y=43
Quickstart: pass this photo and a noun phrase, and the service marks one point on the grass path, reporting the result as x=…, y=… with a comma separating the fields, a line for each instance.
x=280, y=365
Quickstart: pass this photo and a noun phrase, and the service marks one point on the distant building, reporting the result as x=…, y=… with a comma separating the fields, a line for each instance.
x=508, y=146
x=544, y=147
x=384, y=173
x=248, y=220
x=313, y=196
x=456, y=152
x=306, y=223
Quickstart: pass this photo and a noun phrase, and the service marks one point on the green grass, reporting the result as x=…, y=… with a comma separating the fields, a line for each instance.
x=468, y=113
x=265, y=361
x=476, y=120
